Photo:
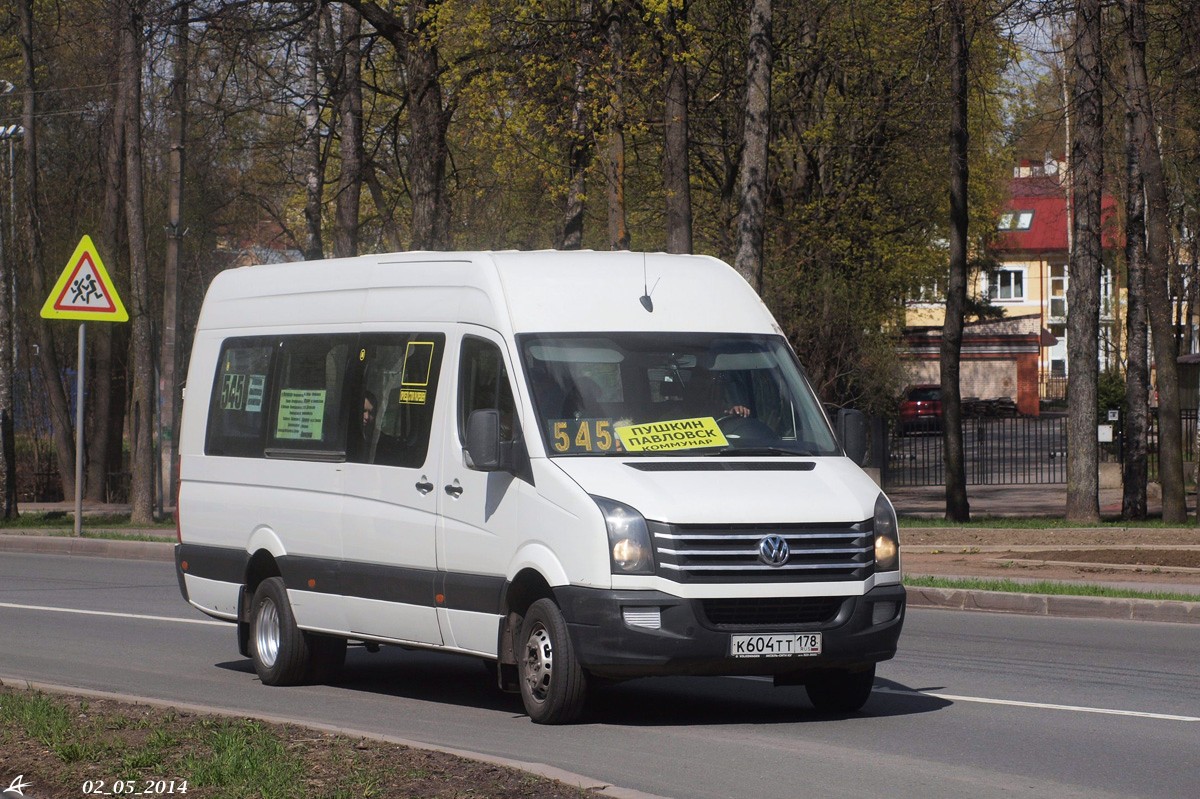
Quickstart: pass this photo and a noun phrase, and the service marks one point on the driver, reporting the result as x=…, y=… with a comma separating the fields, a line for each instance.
x=704, y=392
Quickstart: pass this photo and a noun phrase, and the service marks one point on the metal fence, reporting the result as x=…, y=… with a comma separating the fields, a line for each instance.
x=997, y=451
x=1007, y=451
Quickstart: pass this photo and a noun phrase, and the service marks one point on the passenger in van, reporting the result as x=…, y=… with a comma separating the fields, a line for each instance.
x=370, y=404
x=705, y=395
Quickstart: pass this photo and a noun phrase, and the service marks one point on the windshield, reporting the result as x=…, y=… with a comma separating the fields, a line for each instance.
x=672, y=393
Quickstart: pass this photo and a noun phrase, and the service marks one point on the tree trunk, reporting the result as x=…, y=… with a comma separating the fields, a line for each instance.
x=1083, y=302
x=618, y=224
x=350, y=107
x=1158, y=297
x=170, y=386
x=676, y=172
x=957, y=507
x=142, y=417
x=428, y=120
x=579, y=154
x=756, y=137
x=104, y=437
x=314, y=176
x=62, y=425
x=1137, y=370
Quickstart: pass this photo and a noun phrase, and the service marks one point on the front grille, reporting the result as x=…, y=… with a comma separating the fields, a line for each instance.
x=771, y=612
x=730, y=553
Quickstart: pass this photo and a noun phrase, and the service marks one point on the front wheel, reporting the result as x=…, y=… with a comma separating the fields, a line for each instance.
x=841, y=691
x=553, y=684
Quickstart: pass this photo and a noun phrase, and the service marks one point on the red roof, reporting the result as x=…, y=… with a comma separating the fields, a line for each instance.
x=1046, y=199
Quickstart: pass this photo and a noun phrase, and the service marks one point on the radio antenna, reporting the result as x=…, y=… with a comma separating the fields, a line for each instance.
x=645, y=300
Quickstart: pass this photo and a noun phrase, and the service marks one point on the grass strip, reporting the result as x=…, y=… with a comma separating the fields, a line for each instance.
x=67, y=746
x=1048, y=587
x=1030, y=523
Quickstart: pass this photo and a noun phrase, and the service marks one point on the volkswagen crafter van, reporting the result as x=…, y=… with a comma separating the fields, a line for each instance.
x=578, y=466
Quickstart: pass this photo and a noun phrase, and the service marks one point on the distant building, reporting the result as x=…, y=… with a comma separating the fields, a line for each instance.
x=1029, y=277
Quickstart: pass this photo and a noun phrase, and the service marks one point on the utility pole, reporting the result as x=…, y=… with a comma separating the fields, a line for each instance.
x=8, y=328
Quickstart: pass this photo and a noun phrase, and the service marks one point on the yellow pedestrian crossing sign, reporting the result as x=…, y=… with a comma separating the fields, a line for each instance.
x=84, y=290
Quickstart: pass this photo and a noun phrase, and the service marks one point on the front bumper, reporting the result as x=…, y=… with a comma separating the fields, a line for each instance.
x=857, y=635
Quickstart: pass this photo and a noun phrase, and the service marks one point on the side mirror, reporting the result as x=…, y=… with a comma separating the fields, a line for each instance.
x=852, y=432
x=483, y=440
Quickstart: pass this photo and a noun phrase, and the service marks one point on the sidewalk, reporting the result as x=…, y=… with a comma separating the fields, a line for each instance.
x=1047, y=500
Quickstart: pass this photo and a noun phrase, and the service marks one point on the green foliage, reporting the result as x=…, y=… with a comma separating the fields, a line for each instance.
x=1110, y=392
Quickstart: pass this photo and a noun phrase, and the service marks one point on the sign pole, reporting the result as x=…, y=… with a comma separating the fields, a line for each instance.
x=79, y=430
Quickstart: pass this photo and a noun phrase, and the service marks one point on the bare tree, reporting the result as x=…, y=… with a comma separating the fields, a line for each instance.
x=62, y=425
x=1087, y=171
x=957, y=506
x=1158, y=295
x=756, y=137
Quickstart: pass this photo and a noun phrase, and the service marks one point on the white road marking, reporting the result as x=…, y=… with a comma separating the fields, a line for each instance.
x=114, y=615
x=1039, y=705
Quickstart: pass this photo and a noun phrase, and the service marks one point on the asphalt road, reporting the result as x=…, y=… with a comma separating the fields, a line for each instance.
x=974, y=705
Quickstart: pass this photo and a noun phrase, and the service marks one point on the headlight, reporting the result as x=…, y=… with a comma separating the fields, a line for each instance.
x=887, y=536
x=628, y=538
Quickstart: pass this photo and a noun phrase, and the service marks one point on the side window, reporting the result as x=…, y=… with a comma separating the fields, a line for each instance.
x=237, y=412
x=483, y=383
x=399, y=385
x=308, y=397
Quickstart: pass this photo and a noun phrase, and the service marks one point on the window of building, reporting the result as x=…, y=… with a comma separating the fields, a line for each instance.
x=1006, y=284
x=1016, y=220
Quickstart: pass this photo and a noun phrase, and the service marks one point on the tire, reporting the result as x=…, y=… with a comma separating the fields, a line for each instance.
x=841, y=691
x=279, y=649
x=553, y=684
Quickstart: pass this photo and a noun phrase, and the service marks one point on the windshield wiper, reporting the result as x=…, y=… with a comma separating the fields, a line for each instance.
x=763, y=451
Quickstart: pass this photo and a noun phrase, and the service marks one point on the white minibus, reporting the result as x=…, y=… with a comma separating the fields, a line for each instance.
x=577, y=466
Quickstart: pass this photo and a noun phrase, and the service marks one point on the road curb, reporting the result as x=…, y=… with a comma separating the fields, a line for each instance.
x=92, y=547
x=593, y=786
x=1174, y=611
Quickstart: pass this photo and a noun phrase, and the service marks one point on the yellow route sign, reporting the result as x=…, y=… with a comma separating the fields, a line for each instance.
x=84, y=290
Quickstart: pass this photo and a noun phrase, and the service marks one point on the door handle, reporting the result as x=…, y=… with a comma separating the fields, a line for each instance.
x=424, y=486
x=454, y=490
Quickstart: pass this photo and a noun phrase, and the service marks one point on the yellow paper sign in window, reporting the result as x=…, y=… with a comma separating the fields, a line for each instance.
x=672, y=435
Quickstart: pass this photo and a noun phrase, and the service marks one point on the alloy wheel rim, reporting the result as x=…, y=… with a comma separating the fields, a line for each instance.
x=266, y=635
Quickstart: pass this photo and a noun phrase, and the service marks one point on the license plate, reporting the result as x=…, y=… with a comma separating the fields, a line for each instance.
x=775, y=645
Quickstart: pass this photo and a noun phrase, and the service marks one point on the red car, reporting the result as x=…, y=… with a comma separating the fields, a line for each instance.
x=921, y=409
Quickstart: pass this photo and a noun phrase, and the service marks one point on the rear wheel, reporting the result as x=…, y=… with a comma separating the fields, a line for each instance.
x=840, y=691
x=277, y=646
x=553, y=684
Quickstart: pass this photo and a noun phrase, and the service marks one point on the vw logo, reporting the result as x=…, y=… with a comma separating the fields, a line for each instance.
x=773, y=550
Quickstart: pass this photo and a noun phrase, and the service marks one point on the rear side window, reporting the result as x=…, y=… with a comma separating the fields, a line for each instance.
x=238, y=410
x=309, y=410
